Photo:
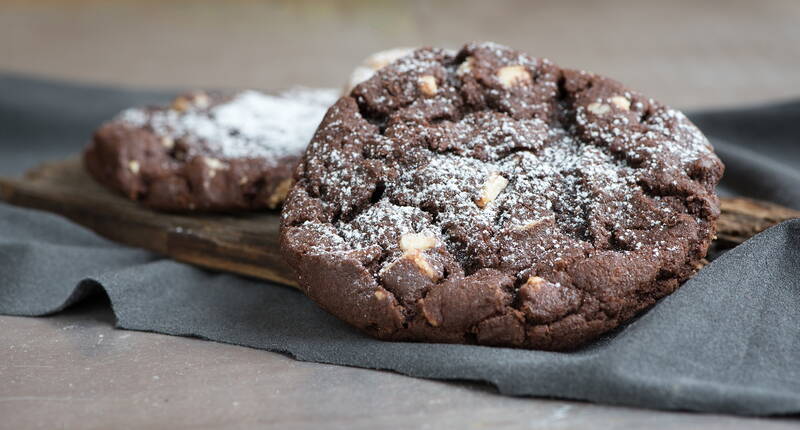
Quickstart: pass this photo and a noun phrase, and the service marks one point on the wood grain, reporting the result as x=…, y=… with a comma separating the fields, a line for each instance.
x=244, y=244
x=743, y=218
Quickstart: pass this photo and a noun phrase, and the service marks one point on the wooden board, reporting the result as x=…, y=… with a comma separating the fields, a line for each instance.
x=243, y=244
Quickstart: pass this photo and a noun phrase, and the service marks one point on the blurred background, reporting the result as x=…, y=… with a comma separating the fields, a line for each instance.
x=687, y=53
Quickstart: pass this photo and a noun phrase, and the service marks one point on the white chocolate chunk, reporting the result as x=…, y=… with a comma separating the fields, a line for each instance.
x=416, y=242
x=621, y=102
x=465, y=67
x=198, y=100
x=494, y=185
x=530, y=225
x=214, y=165
x=167, y=142
x=536, y=282
x=513, y=75
x=427, y=85
x=598, y=108
x=419, y=260
x=133, y=165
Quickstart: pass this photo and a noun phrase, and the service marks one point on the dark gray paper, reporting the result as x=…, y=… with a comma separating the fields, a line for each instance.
x=727, y=341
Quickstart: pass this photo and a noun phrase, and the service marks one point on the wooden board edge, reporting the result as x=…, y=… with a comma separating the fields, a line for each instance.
x=174, y=243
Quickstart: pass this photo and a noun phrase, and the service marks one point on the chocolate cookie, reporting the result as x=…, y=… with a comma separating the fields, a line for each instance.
x=208, y=151
x=489, y=197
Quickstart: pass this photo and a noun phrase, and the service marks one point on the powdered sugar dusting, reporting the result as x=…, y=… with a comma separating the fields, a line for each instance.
x=570, y=186
x=251, y=124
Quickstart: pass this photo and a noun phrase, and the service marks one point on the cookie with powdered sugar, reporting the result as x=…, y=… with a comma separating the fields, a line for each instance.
x=486, y=196
x=209, y=151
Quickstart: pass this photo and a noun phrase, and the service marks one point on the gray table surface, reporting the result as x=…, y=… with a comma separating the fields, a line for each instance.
x=74, y=370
